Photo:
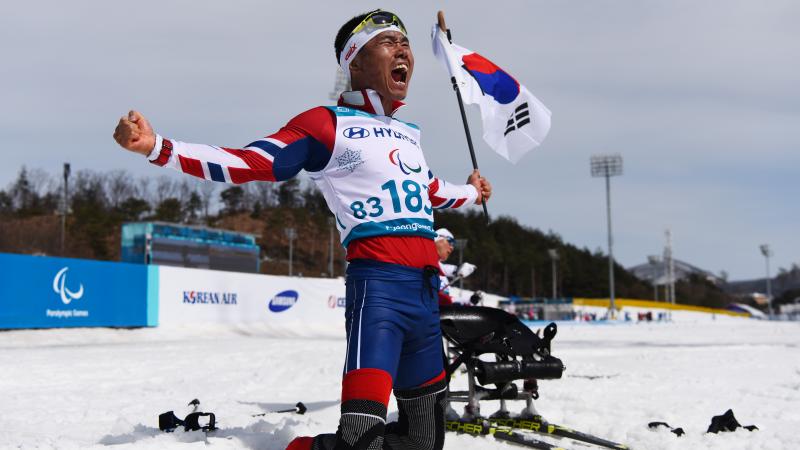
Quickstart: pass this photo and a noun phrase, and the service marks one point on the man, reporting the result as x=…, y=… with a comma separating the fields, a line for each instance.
x=445, y=243
x=373, y=175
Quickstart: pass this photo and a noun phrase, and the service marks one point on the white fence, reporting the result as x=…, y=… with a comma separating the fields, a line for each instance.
x=290, y=306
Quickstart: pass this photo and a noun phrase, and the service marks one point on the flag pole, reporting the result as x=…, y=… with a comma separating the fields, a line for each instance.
x=440, y=18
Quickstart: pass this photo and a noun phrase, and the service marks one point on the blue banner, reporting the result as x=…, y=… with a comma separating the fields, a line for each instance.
x=45, y=292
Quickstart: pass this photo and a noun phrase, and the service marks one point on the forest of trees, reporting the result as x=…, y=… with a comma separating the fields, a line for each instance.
x=512, y=259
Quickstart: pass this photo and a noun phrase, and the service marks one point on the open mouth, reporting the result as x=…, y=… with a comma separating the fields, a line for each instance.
x=400, y=74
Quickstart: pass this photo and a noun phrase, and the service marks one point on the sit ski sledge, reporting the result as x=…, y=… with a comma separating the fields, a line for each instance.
x=520, y=355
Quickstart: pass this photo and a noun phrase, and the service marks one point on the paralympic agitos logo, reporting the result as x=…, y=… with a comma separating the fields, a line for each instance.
x=60, y=287
x=394, y=158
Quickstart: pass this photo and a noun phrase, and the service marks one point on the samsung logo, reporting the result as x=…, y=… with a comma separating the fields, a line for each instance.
x=283, y=301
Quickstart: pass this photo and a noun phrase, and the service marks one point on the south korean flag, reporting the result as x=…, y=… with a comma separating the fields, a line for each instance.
x=514, y=121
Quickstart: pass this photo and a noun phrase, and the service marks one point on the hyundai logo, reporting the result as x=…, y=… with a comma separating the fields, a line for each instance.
x=283, y=301
x=355, y=133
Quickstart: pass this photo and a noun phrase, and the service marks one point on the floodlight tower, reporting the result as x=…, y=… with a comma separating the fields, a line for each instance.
x=654, y=262
x=553, y=260
x=670, y=266
x=291, y=234
x=608, y=166
x=767, y=252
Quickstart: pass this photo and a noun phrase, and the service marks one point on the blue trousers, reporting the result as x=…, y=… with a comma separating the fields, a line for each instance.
x=392, y=323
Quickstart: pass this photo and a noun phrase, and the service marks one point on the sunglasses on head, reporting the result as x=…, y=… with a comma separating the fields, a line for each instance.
x=379, y=19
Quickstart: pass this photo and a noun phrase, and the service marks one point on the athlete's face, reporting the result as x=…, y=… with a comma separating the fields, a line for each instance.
x=444, y=249
x=384, y=64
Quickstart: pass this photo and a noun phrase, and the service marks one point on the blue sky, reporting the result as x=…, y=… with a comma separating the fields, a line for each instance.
x=700, y=98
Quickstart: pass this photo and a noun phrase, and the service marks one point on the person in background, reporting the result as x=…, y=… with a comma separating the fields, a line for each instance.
x=449, y=273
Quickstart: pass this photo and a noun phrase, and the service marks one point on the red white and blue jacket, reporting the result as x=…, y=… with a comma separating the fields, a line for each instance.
x=368, y=165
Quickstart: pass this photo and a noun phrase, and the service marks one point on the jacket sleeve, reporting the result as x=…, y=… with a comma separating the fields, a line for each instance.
x=445, y=195
x=305, y=143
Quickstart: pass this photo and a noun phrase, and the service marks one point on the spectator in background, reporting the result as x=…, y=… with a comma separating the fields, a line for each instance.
x=445, y=243
x=448, y=273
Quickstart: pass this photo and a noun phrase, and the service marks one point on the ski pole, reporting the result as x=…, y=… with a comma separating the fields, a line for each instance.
x=299, y=408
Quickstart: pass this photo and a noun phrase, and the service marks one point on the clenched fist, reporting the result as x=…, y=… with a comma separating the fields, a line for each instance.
x=482, y=185
x=134, y=133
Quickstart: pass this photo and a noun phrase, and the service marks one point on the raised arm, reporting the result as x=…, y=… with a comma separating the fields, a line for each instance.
x=306, y=142
x=445, y=195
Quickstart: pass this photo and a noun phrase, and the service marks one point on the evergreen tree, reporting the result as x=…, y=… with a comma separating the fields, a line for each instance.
x=314, y=201
x=132, y=209
x=193, y=207
x=289, y=193
x=232, y=198
x=21, y=192
x=169, y=210
x=6, y=203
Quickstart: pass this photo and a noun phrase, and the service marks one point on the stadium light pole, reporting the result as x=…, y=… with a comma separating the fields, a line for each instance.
x=65, y=208
x=654, y=261
x=461, y=244
x=608, y=166
x=767, y=252
x=291, y=233
x=553, y=259
x=670, y=260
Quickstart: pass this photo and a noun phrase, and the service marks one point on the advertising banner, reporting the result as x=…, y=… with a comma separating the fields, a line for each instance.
x=45, y=292
x=291, y=306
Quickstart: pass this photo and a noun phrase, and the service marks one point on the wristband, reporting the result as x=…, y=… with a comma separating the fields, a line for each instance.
x=162, y=152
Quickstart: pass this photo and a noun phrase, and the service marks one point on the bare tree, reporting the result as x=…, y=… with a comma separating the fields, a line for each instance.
x=207, y=189
x=31, y=188
x=184, y=190
x=264, y=193
x=119, y=187
x=261, y=193
x=165, y=187
x=42, y=183
x=88, y=186
x=142, y=189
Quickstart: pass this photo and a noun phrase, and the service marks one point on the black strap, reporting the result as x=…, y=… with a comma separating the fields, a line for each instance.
x=427, y=273
x=192, y=422
x=168, y=422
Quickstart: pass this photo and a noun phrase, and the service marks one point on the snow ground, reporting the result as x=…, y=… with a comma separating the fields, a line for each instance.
x=91, y=388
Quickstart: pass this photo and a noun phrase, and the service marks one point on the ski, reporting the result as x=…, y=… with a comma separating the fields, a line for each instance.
x=501, y=433
x=538, y=425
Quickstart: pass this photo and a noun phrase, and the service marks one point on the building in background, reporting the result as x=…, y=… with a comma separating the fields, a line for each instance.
x=655, y=272
x=180, y=245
